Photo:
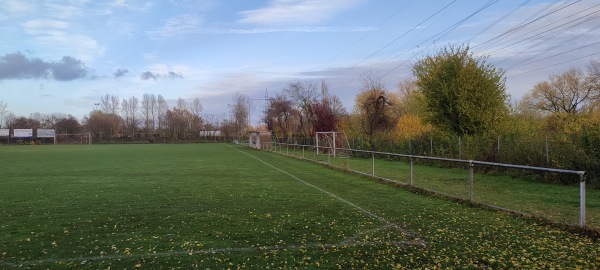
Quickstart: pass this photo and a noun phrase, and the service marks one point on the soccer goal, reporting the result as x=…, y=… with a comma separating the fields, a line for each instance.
x=333, y=143
x=260, y=140
x=75, y=138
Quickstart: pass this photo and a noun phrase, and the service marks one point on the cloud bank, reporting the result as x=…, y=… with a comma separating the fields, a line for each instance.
x=18, y=66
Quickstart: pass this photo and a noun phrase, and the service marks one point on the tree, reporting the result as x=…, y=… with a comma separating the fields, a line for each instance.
x=3, y=112
x=103, y=125
x=196, y=107
x=182, y=104
x=109, y=104
x=179, y=123
x=327, y=111
x=241, y=112
x=148, y=111
x=162, y=108
x=463, y=93
x=569, y=92
x=305, y=94
x=68, y=125
x=26, y=123
x=279, y=116
x=376, y=108
x=129, y=107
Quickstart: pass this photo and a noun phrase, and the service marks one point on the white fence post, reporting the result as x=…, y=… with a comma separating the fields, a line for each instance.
x=373, y=164
x=411, y=172
x=471, y=180
x=582, y=199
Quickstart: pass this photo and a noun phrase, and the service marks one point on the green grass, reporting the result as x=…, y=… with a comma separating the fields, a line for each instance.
x=222, y=206
x=558, y=203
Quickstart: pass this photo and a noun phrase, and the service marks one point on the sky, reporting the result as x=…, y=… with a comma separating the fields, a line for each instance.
x=62, y=56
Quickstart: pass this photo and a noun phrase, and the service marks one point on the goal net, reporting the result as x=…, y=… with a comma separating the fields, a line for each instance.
x=76, y=138
x=332, y=143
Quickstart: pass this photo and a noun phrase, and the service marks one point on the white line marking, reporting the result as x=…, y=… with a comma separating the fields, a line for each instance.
x=350, y=242
x=421, y=242
x=365, y=211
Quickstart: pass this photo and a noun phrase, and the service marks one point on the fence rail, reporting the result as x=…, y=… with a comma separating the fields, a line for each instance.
x=336, y=153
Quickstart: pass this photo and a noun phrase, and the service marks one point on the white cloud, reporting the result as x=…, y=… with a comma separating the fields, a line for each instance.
x=80, y=46
x=176, y=26
x=17, y=6
x=36, y=27
x=62, y=11
x=296, y=11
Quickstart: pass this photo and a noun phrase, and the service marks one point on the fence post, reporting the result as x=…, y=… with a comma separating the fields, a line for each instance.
x=582, y=199
x=373, y=164
x=459, y=147
x=411, y=171
x=347, y=158
x=431, y=146
x=287, y=149
x=547, y=154
x=498, y=151
x=471, y=180
x=303, y=152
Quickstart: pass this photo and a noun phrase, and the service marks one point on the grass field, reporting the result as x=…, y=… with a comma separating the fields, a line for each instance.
x=557, y=203
x=224, y=206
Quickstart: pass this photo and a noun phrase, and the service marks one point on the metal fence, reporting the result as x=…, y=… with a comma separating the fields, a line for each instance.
x=330, y=156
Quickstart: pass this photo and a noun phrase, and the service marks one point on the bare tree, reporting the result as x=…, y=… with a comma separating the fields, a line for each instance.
x=182, y=104
x=241, y=112
x=196, y=107
x=148, y=110
x=305, y=94
x=3, y=112
x=9, y=119
x=569, y=92
x=109, y=104
x=162, y=108
x=130, y=108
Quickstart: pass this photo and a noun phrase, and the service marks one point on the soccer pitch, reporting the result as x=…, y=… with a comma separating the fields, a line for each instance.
x=225, y=206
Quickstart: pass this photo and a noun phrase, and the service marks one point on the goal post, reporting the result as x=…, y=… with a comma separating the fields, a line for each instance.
x=332, y=142
x=73, y=138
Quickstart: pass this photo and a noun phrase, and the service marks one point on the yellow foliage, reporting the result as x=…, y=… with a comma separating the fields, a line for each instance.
x=410, y=127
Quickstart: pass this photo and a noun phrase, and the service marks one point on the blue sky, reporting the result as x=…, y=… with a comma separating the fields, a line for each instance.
x=62, y=56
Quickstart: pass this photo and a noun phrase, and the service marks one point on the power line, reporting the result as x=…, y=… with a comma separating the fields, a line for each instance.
x=405, y=33
x=558, y=54
x=366, y=34
x=441, y=34
x=564, y=62
x=498, y=20
x=523, y=25
x=526, y=60
x=551, y=29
